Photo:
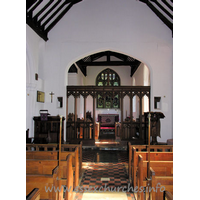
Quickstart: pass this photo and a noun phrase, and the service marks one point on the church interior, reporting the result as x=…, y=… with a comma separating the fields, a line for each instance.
x=99, y=99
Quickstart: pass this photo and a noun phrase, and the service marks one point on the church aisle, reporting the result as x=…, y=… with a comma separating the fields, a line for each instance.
x=104, y=173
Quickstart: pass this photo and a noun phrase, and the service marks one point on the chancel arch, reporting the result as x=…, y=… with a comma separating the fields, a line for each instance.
x=115, y=86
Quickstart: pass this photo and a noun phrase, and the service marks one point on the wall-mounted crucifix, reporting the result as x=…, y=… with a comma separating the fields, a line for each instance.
x=51, y=93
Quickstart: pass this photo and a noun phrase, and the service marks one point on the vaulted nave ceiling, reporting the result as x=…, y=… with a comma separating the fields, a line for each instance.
x=163, y=9
x=42, y=16
x=106, y=58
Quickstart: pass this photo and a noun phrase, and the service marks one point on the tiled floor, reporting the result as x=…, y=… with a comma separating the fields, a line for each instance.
x=105, y=156
x=104, y=171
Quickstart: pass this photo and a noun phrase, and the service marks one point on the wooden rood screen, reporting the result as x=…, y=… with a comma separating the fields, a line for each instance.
x=128, y=129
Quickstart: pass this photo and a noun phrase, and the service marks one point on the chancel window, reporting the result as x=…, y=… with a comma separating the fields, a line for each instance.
x=108, y=78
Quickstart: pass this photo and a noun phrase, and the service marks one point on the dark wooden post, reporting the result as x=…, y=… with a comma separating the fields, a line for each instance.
x=149, y=134
x=93, y=137
x=84, y=126
x=141, y=135
x=75, y=115
x=59, y=153
x=66, y=115
x=131, y=115
x=122, y=115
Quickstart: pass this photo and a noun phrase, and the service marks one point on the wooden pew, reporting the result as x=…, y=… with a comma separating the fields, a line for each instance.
x=80, y=155
x=46, y=155
x=161, y=168
x=34, y=195
x=40, y=175
x=139, y=180
x=165, y=183
x=42, y=181
x=55, y=147
x=167, y=195
x=154, y=156
x=161, y=178
x=54, y=155
x=153, y=148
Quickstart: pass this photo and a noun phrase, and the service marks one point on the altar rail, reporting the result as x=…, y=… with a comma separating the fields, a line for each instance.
x=126, y=131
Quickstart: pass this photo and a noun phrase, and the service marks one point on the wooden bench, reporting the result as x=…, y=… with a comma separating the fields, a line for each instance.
x=34, y=194
x=164, y=182
x=153, y=148
x=64, y=147
x=167, y=195
x=55, y=147
x=54, y=156
x=154, y=156
x=43, y=181
x=40, y=175
x=161, y=174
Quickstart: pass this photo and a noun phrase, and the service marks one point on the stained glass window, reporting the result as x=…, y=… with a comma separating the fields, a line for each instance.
x=108, y=77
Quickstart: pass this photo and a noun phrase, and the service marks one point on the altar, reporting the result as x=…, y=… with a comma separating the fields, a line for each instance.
x=107, y=120
x=107, y=123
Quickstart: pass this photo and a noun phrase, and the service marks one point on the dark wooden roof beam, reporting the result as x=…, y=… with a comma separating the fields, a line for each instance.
x=160, y=15
x=53, y=14
x=30, y=12
x=73, y=69
x=97, y=56
x=119, y=56
x=35, y=18
x=108, y=56
x=135, y=67
x=162, y=8
x=106, y=63
x=49, y=11
x=29, y=3
x=167, y=4
x=61, y=15
x=37, y=29
x=86, y=59
x=82, y=68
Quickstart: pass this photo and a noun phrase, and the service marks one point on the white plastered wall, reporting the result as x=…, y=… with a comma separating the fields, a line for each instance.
x=127, y=27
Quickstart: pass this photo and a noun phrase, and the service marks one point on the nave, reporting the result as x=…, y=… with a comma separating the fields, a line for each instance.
x=106, y=171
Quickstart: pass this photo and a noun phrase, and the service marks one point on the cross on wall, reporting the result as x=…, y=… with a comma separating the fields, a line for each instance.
x=51, y=93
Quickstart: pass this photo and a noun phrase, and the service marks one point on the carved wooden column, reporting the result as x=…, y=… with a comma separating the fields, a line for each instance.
x=140, y=128
x=94, y=100
x=66, y=115
x=122, y=113
x=84, y=129
x=75, y=114
x=131, y=115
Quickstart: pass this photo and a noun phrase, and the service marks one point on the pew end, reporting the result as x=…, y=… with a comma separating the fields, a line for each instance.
x=43, y=182
x=167, y=195
x=34, y=194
